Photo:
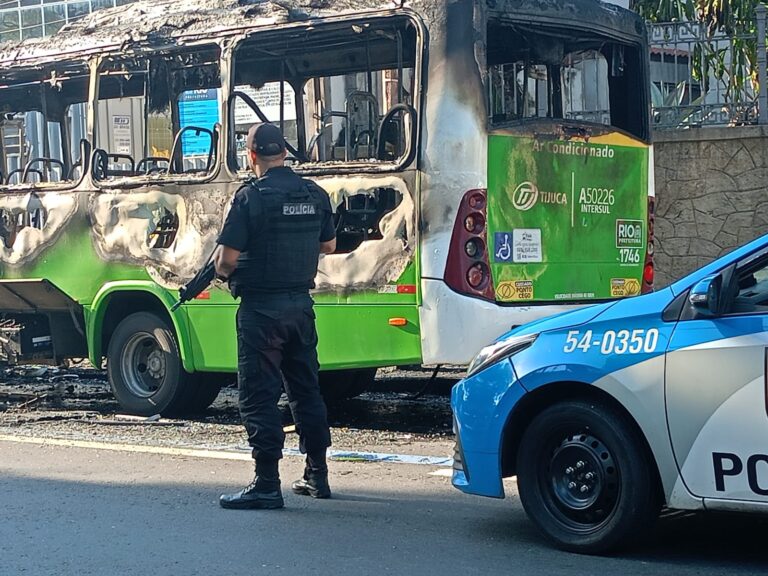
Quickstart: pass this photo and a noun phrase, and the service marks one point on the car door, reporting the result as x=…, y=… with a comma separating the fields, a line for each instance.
x=716, y=387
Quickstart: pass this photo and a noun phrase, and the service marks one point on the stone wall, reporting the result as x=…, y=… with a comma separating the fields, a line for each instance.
x=711, y=195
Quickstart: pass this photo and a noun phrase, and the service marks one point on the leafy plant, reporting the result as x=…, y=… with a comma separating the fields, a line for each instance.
x=668, y=108
x=728, y=54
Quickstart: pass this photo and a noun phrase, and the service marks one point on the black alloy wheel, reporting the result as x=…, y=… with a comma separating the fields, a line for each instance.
x=585, y=477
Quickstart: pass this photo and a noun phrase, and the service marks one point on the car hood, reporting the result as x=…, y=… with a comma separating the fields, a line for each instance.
x=563, y=320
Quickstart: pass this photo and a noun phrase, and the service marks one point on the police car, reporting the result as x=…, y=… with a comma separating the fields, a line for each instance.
x=608, y=412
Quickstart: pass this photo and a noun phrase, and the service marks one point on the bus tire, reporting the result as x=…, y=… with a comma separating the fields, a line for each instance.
x=584, y=477
x=338, y=385
x=202, y=389
x=144, y=367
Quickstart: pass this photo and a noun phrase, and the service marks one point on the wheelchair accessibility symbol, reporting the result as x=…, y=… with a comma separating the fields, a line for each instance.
x=502, y=247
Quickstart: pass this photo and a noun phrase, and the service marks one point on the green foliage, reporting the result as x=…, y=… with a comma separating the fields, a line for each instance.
x=668, y=107
x=729, y=16
x=728, y=53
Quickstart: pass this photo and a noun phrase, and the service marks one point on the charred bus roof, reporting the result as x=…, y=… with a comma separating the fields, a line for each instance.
x=597, y=16
x=153, y=23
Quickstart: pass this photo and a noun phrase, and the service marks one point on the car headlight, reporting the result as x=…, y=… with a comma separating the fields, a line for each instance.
x=501, y=349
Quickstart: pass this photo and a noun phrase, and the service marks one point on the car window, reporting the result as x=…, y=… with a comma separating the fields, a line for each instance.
x=752, y=286
x=42, y=124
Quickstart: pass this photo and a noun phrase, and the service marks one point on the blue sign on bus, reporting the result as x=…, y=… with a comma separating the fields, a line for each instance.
x=198, y=108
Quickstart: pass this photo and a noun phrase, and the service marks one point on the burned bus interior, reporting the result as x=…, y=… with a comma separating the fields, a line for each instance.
x=538, y=72
x=355, y=84
x=342, y=94
x=42, y=123
x=154, y=131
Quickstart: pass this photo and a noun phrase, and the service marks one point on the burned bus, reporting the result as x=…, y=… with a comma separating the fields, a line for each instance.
x=489, y=163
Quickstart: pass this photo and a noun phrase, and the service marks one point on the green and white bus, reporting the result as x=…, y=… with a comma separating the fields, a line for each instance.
x=489, y=163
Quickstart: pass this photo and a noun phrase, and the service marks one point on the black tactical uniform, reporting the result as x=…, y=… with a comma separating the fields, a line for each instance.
x=277, y=223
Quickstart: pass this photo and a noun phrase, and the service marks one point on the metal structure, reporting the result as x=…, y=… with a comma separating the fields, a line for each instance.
x=700, y=78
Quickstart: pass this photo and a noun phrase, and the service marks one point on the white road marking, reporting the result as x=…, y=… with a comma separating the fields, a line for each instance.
x=447, y=472
x=115, y=447
x=338, y=455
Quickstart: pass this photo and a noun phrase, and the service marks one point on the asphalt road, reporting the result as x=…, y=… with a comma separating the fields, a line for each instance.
x=80, y=511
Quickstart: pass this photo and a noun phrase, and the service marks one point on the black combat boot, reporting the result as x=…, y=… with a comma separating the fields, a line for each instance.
x=262, y=493
x=314, y=482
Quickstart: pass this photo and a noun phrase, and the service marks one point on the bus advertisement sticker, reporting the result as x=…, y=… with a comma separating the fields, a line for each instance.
x=526, y=245
x=624, y=287
x=515, y=290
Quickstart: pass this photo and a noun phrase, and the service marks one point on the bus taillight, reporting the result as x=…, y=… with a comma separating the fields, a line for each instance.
x=648, y=271
x=648, y=276
x=467, y=270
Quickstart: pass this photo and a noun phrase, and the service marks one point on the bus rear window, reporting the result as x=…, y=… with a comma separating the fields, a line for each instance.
x=538, y=73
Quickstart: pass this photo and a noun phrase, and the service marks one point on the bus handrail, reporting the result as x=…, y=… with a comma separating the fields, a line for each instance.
x=248, y=100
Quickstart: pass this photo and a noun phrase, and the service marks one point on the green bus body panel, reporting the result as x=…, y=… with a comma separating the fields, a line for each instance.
x=384, y=295
x=213, y=337
x=567, y=219
x=358, y=336
x=205, y=328
x=71, y=263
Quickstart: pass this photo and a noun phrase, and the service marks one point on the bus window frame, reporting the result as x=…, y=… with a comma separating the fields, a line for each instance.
x=62, y=186
x=409, y=160
x=160, y=178
x=593, y=128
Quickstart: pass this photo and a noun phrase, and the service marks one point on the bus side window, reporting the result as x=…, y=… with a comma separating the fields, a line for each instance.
x=341, y=92
x=275, y=101
x=41, y=126
x=157, y=115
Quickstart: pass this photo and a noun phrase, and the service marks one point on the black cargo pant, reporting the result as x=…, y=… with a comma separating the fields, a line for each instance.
x=277, y=346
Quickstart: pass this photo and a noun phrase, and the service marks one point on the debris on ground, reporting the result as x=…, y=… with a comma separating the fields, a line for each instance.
x=76, y=402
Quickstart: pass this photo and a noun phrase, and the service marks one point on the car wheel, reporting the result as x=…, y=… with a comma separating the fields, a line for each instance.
x=584, y=477
x=144, y=367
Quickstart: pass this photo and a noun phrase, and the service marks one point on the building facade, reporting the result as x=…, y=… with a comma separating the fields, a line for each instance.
x=22, y=19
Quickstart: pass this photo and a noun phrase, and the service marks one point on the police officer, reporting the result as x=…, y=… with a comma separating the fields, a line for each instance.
x=276, y=228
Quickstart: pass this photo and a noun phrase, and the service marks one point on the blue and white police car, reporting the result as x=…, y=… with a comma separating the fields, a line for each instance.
x=606, y=413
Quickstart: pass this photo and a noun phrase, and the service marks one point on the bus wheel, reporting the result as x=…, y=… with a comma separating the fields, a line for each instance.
x=342, y=384
x=144, y=367
x=584, y=477
x=203, y=388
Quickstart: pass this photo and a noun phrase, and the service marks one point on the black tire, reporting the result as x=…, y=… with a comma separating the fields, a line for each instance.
x=338, y=385
x=584, y=477
x=202, y=390
x=144, y=367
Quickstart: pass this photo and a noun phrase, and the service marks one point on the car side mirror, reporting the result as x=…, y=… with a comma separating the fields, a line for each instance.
x=705, y=296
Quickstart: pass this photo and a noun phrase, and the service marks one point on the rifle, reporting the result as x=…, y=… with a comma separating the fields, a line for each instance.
x=199, y=283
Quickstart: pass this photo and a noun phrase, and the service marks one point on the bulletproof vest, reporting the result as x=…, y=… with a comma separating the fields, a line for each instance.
x=284, y=240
